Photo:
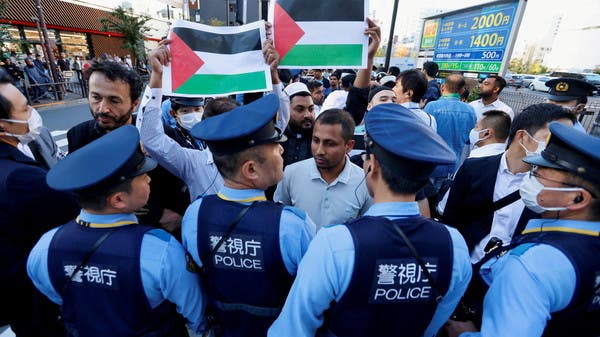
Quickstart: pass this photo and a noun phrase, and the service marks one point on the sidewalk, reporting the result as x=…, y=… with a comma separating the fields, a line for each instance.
x=70, y=98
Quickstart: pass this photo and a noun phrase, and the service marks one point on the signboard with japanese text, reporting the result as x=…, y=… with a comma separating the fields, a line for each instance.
x=430, y=30
x=477, y=39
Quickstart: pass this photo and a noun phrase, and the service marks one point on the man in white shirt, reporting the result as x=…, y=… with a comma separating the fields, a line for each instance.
x=489, y=90
x=490, y=133
x=328, y=187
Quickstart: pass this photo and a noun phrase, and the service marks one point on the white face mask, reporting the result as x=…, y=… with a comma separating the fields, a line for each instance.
x=531, y=188
x=35, y=127
x=474, y=136
x=541, y=145
x=187, y=121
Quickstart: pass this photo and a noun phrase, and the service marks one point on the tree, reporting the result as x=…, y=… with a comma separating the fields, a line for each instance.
x=518, y=66
x=123, y=21
x=4, y=34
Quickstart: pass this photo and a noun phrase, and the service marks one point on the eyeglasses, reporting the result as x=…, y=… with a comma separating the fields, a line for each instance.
x=538, y=176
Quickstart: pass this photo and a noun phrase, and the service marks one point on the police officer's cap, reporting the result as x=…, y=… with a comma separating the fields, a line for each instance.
x=188, y=101
x=401, y=140
x=103, y=163
x=570, y=150
x=241, y=128
x=568, y=89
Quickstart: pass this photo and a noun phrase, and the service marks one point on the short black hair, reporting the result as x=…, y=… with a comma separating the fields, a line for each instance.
x=229, y=164
x=536, y=117
x=499, y=121
x=348, y=80
x=312, y=85
x=394, y=71
x=431, y=68
x=341, y=117
x=5, y=104
x=219, y=105
x=115, y=71
x=397, y=183
x=95, y=198
x=375, y=90
x=414, y=80
x=500, y=82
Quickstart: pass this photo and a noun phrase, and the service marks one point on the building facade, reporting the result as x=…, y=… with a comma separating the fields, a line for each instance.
x=72, y=28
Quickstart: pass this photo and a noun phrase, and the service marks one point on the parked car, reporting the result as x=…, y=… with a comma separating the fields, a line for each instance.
x=539, y=84
x=527, y=79
x=514, y=80
x=593, y=79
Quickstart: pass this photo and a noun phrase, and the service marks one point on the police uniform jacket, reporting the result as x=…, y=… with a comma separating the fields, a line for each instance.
x=333, y=257
x=249, y=275
x=548, y=285
x=132, y=283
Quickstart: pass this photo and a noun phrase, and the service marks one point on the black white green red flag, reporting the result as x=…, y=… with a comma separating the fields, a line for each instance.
x=320, y=33
x=216, y=61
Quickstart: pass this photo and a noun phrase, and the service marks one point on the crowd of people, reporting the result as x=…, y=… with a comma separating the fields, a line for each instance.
x=343, y=203
x=36, y=70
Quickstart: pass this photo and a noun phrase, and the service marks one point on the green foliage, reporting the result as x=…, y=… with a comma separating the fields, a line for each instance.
x=132, y=27
x=518, y=66
x=4, y=34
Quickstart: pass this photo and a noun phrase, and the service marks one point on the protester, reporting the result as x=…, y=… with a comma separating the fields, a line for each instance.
x=328, y=186
x=430, y=70
x=489, y=91
x=300, y=128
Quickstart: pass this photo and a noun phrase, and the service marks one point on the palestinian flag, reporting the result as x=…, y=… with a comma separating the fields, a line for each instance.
x=216, y=61
x=320, y=33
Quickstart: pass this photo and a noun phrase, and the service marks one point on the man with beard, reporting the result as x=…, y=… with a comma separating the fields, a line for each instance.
x=300, y=127
x=114, y=92
x=329, y=187
x=489, y=90
x=317, y=91
x=113, y=96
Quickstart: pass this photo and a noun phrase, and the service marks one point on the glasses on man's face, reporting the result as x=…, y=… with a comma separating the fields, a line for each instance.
x=538, y=176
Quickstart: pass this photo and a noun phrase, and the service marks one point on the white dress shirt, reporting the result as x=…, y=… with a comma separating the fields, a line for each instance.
x=505, y=219
x=480, y=108
x=488, y=150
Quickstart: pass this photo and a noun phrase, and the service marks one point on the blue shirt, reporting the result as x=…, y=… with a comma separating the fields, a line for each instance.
x=455, y=120
x=296, y=229
x=162, y=264
x=326, y=271
x=528, y=285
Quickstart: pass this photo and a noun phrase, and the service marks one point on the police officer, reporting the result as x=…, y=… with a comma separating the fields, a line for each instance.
x=186, y=112
x=391, y=271
x=548, y=283
x=248, y=248
x=571, y=94
x=110, y=275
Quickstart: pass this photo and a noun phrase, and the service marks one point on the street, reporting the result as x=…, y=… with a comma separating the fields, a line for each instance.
x=60, y=118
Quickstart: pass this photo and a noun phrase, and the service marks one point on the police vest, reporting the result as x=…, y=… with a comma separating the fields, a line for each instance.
x=389, y=295
x=581, y=316
x=106, y=297
x=246, y=278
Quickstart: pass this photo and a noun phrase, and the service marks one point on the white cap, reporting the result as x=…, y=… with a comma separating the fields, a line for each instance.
x=295, y=88
x=386, y=79
x=335, y=100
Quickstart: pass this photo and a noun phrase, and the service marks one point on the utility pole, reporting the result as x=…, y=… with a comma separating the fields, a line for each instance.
x=48, y=50
x=388, y=51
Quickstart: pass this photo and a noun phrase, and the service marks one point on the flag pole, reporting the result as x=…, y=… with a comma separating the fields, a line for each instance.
x=388, y=52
